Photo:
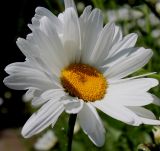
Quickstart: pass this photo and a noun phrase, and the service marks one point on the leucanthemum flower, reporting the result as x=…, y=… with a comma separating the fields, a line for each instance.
x=76, y=65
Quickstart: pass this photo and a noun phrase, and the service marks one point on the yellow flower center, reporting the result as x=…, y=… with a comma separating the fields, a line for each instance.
x=84, y=82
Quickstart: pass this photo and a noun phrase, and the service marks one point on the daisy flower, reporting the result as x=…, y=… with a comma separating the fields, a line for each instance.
x=76, y=65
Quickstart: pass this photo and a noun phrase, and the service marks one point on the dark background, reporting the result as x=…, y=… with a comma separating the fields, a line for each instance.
x=15, y=15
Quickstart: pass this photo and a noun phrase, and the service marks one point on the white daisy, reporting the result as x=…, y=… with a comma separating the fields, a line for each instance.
x=76, y=65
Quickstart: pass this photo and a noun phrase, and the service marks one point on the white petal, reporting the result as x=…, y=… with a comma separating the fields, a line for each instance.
x=118, y=112
x=133, y=85
x=150, y=121
x=156, y=100
x=132, y=99
x=53, y=93
x=90, y=30
x=112, y=35
x=23, y=67
x=48, y=95
x=103, y=44
x=41, y=11
x=117, y=58
x=127, y=42
x=45, y=37
x=28, y=78
x=146, y=116
x=51, y=33
x=70, y=3
x=131, y=78
x=35, y=70
x=33, y=53
x=46, y=115
x=85, y=15
x=129, y=64
x=117, y=35
x=28, y=50
x=72, y=105
x=16, y=67
x=46, y=26
x=71, y=35
x=32, y=94
x=131, y=92
x=29, y=95
x=49, y=51
x=91, y=124
x=141, y=111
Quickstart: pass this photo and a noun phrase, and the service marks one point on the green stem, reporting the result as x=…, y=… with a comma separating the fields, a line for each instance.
x=71, y=123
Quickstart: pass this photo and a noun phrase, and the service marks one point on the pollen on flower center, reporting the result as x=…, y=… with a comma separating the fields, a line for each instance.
x=84, y=82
